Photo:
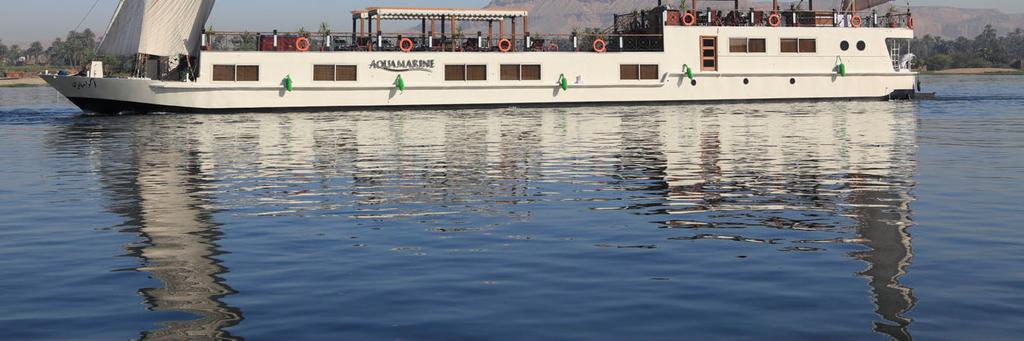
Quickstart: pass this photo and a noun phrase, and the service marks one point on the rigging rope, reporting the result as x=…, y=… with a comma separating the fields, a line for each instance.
x=87, y=15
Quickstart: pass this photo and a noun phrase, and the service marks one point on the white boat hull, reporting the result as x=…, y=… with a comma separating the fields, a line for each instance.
x=593, y=78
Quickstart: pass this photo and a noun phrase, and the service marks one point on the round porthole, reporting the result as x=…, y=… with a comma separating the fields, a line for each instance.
x=746, y=81
x=693, y=82
x=861, y=45
x=845, y=45
x=792, y=81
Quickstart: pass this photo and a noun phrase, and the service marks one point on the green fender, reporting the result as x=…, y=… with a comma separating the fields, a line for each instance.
x=689, y=71
x=563, y=82
x=288, y=83
x=400, y=83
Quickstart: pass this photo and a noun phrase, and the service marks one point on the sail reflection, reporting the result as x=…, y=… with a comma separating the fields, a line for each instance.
x=156, y=186
x=794, y=177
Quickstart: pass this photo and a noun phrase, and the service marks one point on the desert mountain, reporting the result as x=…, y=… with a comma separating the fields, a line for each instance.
x=561, y=16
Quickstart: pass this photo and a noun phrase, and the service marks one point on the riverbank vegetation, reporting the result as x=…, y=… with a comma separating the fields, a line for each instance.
x=987, y=50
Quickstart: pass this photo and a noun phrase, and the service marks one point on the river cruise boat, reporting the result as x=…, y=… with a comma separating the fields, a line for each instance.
x=489, y=57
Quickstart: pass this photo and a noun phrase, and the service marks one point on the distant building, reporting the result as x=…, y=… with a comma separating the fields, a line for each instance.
x=1019, y=64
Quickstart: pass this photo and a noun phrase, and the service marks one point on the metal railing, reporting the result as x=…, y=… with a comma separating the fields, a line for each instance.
x=478, y=42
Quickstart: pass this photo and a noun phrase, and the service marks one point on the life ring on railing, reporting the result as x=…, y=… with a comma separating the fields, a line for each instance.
x=689, y=19
x=505, y=45
x=302, y=44
x=856, y=21
x=775, y=20
x=406, y=45
x=910, y=23
x=600, y=46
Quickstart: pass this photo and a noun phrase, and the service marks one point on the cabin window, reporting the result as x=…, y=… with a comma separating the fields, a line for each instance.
x=247, y=73
x=345, y=73
x=745, y=45
x=224, y=73
x=709, y=53
x=323, y=73
x=236, y=73
x=465, y=72
x=638, y=72
x=793, y=45
x=331, y=73
x=808, y=45
x=515, y=72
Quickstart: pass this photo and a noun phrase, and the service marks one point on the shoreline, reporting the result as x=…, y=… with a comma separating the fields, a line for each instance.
x=976, y=71
x=22, y=82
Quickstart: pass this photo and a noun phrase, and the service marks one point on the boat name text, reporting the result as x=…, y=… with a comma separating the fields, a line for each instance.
x=425, y=65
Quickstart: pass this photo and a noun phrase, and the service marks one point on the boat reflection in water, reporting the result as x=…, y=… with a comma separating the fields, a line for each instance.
x=780, y=175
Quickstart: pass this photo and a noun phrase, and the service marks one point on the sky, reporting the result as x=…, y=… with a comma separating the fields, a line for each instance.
x=43, y=20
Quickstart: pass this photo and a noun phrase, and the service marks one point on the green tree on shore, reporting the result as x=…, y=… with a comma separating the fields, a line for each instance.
x=988, y=49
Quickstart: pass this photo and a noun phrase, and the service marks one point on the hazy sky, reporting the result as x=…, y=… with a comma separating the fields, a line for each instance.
x=25, y=21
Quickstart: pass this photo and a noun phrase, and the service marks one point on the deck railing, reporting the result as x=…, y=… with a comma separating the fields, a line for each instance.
x=476, y=42
x=582, y=42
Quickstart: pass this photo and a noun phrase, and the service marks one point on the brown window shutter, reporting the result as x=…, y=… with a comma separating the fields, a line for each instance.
x=346, y=73
x=323, y=73
x=531, y=72
x=808, y=46
x=510, y=72
x=476, y=72
x=738, y=45
x=224, y=73
x=789, y=46
x=756, y=46
x=248, y=73
x=629, y=72
x=649, y=72
x=454, y=72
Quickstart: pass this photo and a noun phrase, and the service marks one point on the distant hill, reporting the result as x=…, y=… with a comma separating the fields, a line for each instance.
x=561, y=16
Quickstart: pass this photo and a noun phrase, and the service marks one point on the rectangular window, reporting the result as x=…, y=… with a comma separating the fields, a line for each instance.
x=648, y=72
x=454, y=72
x=247, y=73
x=236, y=73
x=808, y=46
x=331, y=73
x=465, y=72
x=531, y=72
x=629, y=72
x=709, y=53
x=738, y=45
x=476, y=72
x=509, y=72
x=224, y=73
x=323, y=73
x=345, y=73
x=515, y=72
x=638, y=72
x=789, y=45
x=756, y=46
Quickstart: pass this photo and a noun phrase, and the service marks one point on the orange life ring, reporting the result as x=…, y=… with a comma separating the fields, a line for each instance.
x=775, y=20
x=856, y=21
x=505, y=45
x=910, y=22
x=603, y=46
x=302, y=44
x=689, y=19
x=406, y=45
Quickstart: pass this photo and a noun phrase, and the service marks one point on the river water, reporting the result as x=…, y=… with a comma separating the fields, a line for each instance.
x=849, y=220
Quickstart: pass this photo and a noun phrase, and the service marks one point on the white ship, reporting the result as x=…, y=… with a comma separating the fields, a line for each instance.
x=489, y=57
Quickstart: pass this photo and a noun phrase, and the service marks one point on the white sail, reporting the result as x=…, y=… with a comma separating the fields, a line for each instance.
x=156, y=27
x=863, y=4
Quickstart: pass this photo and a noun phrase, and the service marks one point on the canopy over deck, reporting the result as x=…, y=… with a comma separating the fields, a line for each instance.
x=400, y=13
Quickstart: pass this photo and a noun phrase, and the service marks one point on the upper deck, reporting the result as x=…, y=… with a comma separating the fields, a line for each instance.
x=507, y=30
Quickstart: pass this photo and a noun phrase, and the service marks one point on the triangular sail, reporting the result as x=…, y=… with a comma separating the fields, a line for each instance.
x=863, y=4
x=157, y=27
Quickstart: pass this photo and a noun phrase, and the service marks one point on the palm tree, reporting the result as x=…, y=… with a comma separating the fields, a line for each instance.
x=34, y=52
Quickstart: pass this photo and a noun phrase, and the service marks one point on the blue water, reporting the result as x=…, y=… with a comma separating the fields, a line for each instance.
x=849, y=220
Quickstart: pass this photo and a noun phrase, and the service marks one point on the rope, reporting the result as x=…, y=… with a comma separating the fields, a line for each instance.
x=87, y=15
